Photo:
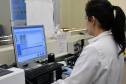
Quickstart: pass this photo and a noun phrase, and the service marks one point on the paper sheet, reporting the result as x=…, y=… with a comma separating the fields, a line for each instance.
x=41, y=13
x=62, y=44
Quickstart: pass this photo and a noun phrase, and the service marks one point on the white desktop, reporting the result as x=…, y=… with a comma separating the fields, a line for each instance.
x=16, y=77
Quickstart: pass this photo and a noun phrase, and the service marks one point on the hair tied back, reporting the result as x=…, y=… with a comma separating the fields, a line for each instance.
x=113, y=7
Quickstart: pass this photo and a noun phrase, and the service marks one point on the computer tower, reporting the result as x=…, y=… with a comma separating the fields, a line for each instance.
x=43, y=79
x=58, y=73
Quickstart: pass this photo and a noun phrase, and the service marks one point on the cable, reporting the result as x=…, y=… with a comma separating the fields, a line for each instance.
x=28, y=81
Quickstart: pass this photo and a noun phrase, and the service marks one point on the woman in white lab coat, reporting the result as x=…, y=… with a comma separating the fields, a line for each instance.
x=102, y=61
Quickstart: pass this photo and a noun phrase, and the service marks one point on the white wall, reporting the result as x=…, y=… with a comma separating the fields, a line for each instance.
x=5, y=16
x=72, y=13
x=121, y=3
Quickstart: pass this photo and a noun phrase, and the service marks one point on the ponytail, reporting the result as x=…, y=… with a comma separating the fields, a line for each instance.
x=118, y=28
x=104, y=12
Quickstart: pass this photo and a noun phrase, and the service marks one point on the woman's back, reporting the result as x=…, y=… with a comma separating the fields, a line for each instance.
x=111, y=65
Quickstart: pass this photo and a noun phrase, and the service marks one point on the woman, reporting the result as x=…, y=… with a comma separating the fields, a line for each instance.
x=102, y=61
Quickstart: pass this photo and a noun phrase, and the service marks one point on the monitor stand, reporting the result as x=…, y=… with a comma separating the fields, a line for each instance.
x=30, y=66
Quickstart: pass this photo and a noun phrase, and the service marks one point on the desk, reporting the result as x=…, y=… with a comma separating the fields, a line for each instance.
x=16, y=77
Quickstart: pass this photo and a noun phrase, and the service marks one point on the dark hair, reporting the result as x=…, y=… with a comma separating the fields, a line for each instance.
x=103, y=11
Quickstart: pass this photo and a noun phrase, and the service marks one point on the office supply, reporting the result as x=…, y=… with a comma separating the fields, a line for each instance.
x=44, y=74
x=29, y=45
x=15, y=77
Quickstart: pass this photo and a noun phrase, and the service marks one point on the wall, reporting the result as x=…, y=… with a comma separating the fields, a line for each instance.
x=5, y=16
x=72, y=13
x=57, y=12
x=121, y=3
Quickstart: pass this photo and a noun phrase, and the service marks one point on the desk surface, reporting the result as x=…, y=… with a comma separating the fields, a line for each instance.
x=16, y=77
x=15, y=71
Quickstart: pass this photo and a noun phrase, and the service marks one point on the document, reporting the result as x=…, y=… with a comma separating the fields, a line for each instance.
x=40, y=13
x=62, y=44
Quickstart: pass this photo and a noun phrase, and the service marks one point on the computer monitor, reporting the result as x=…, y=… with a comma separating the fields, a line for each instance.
x=29, y=44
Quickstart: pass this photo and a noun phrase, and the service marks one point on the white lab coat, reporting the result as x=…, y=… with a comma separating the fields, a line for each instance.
x=98, y=63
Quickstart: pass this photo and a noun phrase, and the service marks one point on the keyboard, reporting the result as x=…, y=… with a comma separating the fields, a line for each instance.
x=33, y=73
x=4, y=72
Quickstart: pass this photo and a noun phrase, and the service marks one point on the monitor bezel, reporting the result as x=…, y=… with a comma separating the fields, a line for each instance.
x=20, y=65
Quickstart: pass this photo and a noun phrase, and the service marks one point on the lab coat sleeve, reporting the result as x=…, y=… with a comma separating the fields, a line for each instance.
x=87, y=68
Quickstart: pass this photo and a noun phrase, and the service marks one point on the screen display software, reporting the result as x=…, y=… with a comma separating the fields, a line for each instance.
x=29, y=43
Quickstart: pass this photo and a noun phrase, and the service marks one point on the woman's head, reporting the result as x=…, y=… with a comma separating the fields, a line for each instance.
x=103, y=12
x=93, y=26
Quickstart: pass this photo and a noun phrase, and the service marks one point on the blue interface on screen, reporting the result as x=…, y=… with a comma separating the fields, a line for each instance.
x=30, y=43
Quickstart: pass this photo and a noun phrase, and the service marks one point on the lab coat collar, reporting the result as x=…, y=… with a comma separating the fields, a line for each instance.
x=99, y=36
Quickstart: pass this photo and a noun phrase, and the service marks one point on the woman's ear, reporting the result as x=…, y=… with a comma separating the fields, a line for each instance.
x=93, y=19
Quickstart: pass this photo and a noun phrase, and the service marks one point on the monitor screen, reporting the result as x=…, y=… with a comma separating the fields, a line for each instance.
x=29, y=44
